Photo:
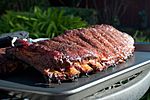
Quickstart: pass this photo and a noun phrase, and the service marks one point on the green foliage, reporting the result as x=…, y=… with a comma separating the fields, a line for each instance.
x=40, y=23
x=89, y=15
x=140, y=37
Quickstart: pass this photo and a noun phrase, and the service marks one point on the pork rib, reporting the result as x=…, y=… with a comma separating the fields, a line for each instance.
x=9, y=65
x=77, y=52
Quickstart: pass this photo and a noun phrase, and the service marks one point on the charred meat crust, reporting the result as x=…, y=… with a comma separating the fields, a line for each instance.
x=77, y=52
x=9, y=65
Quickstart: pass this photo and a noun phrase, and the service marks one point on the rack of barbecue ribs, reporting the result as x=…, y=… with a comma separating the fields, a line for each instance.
x=77, y=52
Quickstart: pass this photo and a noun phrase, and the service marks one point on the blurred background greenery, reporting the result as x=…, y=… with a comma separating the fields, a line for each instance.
x=49, y=18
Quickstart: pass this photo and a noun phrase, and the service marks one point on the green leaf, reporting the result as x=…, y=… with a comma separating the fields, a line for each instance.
x=40, y=23
x=49, y=28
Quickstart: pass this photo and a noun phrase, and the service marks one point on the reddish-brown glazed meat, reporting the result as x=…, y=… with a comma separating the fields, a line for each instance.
x=77, y=52
x=7, y=65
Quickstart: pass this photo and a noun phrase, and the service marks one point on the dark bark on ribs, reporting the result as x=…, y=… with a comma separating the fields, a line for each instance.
x=9, y=66
x=99, y=44
x=78, y=37
x=70, y=51
x=55, y=55
x=77, y=51
x=111, y=42
x=126, y=46
x=72, y=37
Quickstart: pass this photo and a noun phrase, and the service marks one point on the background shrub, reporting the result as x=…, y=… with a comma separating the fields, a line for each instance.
x=89, y=15
x=40, y=23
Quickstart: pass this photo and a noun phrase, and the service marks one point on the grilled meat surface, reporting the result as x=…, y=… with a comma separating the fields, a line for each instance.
x=77, y=52
x=9, y=65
